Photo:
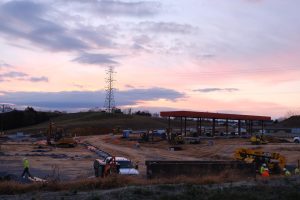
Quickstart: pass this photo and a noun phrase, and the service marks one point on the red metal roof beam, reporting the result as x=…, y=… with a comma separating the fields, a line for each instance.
x=191, y=114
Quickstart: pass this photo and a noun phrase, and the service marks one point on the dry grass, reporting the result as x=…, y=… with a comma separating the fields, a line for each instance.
x=11, y=187
x=288, y=149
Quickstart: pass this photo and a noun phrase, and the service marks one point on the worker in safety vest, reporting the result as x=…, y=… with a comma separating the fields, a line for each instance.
x=26, y=168
x=297, y=171
x=286, y=172
x=263, y=168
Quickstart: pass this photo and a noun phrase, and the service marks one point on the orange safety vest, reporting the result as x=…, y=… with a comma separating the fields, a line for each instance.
x=265, y=173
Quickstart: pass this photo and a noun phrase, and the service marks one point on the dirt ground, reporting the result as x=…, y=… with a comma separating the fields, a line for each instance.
x=72, y=163
x=222, y=149
x=61, y=163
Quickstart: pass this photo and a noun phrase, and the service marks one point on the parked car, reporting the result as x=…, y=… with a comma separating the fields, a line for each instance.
x=123, y=165
x=296, y=139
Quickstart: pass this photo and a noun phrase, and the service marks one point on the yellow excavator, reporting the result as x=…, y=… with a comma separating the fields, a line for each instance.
x=57, y=136
x=177, y=139
x=117, y=130
x=274, y=161
x=257, y=140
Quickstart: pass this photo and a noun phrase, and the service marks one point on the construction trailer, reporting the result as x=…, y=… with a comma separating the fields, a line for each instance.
x=199, y=117
x=170, y=169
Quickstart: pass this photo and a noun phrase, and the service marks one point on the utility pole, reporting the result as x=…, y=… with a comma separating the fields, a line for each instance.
x=109, y=99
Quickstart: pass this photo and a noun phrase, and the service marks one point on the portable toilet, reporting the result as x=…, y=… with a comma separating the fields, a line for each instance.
x=126, y=133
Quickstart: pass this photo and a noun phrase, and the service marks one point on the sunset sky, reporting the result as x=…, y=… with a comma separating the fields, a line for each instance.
x=234, y=56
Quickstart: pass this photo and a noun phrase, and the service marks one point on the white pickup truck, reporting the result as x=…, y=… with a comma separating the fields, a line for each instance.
x=124, y=166
x=296, y=139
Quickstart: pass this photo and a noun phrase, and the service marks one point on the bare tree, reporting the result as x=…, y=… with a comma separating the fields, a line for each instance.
x=291, y=113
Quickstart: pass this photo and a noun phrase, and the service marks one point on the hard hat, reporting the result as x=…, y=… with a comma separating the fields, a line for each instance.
x=264, y=165
x=24, y=158
x=284, y=169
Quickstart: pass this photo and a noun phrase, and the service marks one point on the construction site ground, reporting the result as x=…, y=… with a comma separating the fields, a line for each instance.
x=77, y=162
x=47, y=162
x=218, y=149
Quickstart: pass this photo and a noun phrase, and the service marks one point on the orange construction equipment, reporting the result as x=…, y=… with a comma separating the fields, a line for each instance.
x=265, y=173
x=111, y=167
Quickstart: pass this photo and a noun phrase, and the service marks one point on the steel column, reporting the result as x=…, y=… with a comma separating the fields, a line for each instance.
x=251, y=124
x=169, y=128
x=200, y=126
x=239, y=127
x=213, y=127
x=197, y=127
x=180, y=125
x=262, y=127
x=185, y=126
x=226, y=126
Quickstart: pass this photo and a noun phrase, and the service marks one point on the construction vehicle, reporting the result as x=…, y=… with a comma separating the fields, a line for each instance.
x=177, y=139
x=274, y=161
x=296, y=139
x=258, y=140
x=114, y=165
x=57, y=136
x=117, y=130
x=145, y=136
x=152, y=135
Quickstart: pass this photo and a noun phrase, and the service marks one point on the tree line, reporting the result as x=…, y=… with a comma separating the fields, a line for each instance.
x=16, y=119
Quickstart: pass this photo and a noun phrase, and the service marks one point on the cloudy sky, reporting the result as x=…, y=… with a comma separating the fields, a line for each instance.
x=237, y=56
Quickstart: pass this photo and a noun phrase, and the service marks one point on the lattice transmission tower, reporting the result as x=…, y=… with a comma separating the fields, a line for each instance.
x=109, y=104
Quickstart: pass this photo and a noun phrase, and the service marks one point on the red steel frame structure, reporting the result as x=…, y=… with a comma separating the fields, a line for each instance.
x=214, y=116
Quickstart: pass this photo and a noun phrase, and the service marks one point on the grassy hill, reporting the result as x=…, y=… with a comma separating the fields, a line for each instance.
x=89, y=123
x=291, y=122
